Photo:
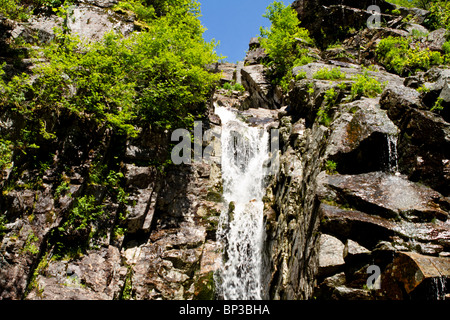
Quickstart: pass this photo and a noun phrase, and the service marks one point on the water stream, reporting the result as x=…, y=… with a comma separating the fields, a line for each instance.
x=392, y=154
x=241, y=228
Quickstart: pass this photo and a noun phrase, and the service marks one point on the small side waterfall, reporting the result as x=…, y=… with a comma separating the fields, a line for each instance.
x=392, y=161
x=241, y=228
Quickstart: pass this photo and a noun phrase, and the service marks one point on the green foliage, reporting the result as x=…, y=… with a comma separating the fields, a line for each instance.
x=62, y=189
x=329, y=74
x=84, y=212
x=3, y=222
x=5, y=153
x=331, y=167
x=143, y=12
x=438, y=105
x=446, y=47
x=283, y=43
x=301, y=75
x=156, y=76
x=367, y=86
x=22, y=9
x=30, y=244
x=233, y=87
x=397, y=55
x=330, y=99
x=423, y=89
x=424, y=4
x=13, y=9
x=439, y=16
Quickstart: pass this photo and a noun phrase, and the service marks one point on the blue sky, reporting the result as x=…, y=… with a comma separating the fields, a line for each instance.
x=233, y=23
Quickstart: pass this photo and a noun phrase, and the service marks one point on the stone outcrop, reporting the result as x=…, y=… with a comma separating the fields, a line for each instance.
x=322, y=17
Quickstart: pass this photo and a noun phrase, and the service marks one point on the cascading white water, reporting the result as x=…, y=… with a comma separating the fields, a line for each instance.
x=392, y=154
x=244, y=151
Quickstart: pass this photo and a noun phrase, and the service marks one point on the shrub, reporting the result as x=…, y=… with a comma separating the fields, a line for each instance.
x=367, y=86
x=84, y=212
x=331, y=167
x=3, y=229
x=157, y=76
x=283, y=43
x=397, y=55
x=439, y=16
x=301, y=75
x=13, y=9
x=446, y=47
x=233, y=87
x=323, y=114
x=438, y=105
x=329, y=74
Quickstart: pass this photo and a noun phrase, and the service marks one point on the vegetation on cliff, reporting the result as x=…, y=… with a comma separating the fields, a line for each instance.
x=156, y=76
x=285, y=43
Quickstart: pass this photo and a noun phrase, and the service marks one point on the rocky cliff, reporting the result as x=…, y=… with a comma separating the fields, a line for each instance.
x=363, y=180
x=368, y=188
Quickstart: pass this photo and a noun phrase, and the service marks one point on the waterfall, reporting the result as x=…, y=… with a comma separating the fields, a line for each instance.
x=392, y=161
x=241, y=227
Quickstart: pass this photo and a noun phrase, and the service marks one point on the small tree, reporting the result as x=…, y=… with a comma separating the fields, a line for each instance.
x=282, y=42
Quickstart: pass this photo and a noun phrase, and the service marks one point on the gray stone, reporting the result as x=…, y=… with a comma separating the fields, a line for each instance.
x=330, y=255
x=262, y=94
x=436, y=39
x=389, y=196
x=91, y=23
x=360, y=137
x=353, y=249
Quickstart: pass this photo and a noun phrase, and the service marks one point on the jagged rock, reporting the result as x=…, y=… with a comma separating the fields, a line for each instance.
x=262, y=93
x=389, y=196
x=330, y=255
x=364, y=228
x=91, y=23
x=417, y=15
x=101, y=3
x=228, y=72
x=422, y=277
x=155, y=275
x=361, y=137
x=424, y=142
x=353, y=250
x=256, y=54
x=436, y=39
x=149, y=146
x=417, y=30
x=99, y=275
x=322, y=17
x=306, y=96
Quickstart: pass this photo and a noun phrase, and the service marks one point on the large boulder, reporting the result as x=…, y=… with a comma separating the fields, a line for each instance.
x=262, y=92
x=363, y=138
x=424, y=141
x=388, y=196
x=322, y=17
x=421, y=277
x=331, y=257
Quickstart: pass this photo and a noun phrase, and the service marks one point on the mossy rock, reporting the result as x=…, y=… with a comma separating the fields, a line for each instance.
x=214, y=196
x=205, y=287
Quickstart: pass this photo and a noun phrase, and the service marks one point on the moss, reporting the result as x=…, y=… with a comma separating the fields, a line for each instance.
x=205, y=287
x=214, y=196
x=127, y=290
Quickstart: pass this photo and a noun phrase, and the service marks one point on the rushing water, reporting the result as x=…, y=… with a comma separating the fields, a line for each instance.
x=392, y=160
x=244, y=152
